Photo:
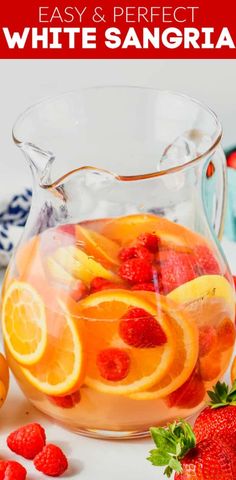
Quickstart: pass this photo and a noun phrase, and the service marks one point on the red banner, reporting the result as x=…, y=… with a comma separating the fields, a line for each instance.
x=118, y=29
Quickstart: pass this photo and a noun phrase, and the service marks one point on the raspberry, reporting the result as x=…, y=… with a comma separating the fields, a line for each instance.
x=144, y=286
x=136, y=270
x=149, y=241
x=174, y=269
x=51, y=461
x=28, y=440
x=99, y=283
x=206, y=263
x=113, y=364
x=10, y=470
x=79, y=291
x=68, y=401
x=135, y=252
x=141, y=330
x=190, y=394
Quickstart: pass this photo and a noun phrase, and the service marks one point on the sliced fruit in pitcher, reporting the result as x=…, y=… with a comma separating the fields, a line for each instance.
x=205, y=288
x=185, y=357
x=79, y=265
x=209, y=300
x=24, y=323
x=130, y=341
x=125, y=229
x=61, y=370
x=98, y=246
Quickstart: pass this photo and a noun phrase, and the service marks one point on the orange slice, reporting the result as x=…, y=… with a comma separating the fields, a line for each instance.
x=185, y=357
x=79, y=265
x=207, y=289
x=125, y=229
x=61, y=370
x=4, y=379
x=24, y=323
x=209, y=300
x=98, y=246
x=103, y=311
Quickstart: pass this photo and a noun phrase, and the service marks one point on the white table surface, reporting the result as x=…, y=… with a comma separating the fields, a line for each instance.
x=89, y=459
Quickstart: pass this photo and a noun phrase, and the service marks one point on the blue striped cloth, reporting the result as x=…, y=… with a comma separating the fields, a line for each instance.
x=13, y=216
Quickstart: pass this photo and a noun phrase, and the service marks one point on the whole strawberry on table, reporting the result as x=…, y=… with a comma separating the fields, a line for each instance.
x=206, y=452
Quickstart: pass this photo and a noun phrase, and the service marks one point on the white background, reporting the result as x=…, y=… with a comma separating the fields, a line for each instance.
x=25, y=82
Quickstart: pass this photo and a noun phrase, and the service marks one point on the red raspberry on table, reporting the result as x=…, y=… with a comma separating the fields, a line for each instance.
x=144, y=286
x=27, y=441
x=136, y=270
x=206, y=263
x=10, y=470
x=150, y=241
x=68, y=401
x=139, y=329
x=135, y=252
x=51, y=461
x=174, y=268
x=113, y=364
x=99, y=283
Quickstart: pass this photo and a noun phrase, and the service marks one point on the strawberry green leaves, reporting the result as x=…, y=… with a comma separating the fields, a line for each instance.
x=222, y=395
x=172, y=444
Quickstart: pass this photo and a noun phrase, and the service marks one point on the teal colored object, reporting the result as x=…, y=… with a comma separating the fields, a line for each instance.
x=230, y=221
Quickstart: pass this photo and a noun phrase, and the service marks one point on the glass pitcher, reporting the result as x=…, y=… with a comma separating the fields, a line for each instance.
x=118, y=305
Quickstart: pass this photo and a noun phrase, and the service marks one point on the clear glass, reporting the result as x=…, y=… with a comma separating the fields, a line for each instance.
x=118, y=305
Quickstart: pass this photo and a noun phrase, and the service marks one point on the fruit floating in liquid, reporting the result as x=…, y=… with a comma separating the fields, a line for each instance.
x=118, y=324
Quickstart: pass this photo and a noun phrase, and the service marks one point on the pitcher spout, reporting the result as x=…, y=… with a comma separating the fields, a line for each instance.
x=40, y=161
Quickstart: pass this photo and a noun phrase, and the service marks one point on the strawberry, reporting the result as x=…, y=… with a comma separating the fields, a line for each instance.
x=177, y=449
x=219, y=419
x=231, y=160
x=174, y=269
x=207, y=339
x=226, y=334
x=67, y=229
x=136, y=270
x=206, y=263
x=51, y=461
x=10, y=470
x=79, y=291
x=135, y=252
x=113, y=364
x=190, y=394
x=68, y=401
x=27, y=441
x=139, y=329
x=99, y=283
x=234, y=279
x=144, y=286
x=149, y=241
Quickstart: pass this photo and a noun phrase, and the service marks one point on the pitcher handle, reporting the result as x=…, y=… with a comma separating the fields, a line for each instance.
x=215, y=191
